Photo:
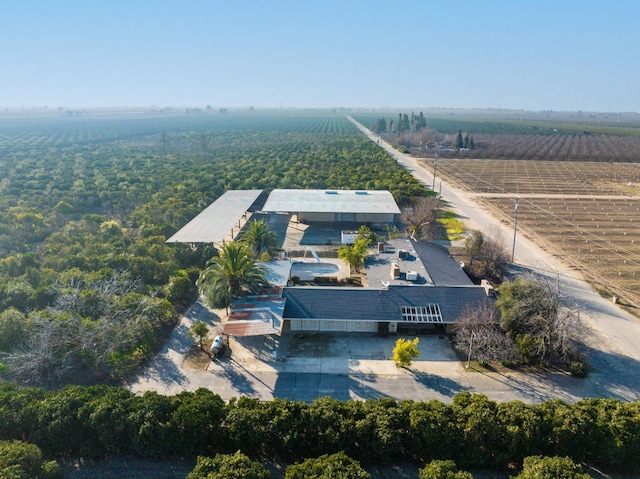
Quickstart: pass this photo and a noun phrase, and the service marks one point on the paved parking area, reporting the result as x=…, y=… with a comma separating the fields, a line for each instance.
x=363, y=346
x=303, y=367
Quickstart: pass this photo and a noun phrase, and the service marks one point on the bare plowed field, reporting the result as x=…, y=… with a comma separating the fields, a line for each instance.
x=586, y=213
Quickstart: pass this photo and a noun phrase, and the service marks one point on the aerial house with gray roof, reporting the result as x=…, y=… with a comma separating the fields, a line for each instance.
x=428, y=293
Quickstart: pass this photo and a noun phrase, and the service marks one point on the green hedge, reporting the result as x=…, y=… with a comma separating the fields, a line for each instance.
x=473, y=431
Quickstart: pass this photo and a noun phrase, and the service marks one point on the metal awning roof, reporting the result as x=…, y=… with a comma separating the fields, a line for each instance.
x=264, y=316
x=331, y=201
x=215, y=222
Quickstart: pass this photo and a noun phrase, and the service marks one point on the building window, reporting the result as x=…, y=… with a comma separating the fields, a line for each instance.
x=422, y=314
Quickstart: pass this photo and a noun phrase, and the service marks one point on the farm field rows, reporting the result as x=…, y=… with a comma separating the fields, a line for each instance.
x=25, y=132
x=508, y=138
x=586, y=213
x=515, y=125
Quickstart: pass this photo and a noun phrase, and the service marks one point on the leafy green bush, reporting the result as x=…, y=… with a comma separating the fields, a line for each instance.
x=334, y=466
x=181, y=289
x=21, y=460
x=443, y=470
x=538, y=467
x=508, y=363
x=578, y=369
x=228, y=466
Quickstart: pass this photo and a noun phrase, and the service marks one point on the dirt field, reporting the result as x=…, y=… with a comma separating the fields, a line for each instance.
x=586, y=213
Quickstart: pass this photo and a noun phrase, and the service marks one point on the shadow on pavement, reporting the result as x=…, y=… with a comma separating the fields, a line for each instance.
x=164, y=371
x=238, y=377
x=442, y=385
x=612, y=375
x=180, y=341
x=201, y=312
x=260, y=347
x=307, y=387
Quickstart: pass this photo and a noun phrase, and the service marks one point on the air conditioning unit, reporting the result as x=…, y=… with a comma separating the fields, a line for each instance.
x=412, y=275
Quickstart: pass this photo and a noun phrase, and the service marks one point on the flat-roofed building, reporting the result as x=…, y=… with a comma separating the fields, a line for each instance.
x=334, y=206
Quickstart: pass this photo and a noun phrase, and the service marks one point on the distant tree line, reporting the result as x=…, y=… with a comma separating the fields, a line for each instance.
x=404, y=123
x=473, y=431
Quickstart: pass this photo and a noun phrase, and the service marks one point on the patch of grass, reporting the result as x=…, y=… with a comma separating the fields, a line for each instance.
x=454, y=228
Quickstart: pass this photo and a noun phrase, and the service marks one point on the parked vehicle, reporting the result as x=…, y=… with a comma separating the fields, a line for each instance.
x=217, y=346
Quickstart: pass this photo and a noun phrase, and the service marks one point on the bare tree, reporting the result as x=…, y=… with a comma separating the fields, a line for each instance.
x=494, y=253
x=90, y=324
x=539, y=317
x=48, y=355
x=487, y=253
x=421, y=217
x=478, y=335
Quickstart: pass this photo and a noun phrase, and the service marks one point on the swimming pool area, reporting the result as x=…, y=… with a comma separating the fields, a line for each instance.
x=308, y=271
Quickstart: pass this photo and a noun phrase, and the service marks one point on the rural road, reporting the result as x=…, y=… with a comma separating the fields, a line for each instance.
x=251, y=371
x=615, y=334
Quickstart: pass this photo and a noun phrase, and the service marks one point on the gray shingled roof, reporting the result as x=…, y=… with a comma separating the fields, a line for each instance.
x=331, y=201
x=442, y=268
x=364, y=304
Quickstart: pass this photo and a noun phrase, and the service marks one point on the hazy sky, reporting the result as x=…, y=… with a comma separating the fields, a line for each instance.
x=530, y=54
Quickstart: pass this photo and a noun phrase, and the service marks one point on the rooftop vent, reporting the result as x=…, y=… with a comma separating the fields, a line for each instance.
x=331, y=192
x=361, y=193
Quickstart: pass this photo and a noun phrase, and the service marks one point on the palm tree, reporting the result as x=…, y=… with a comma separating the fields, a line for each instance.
x=260, y=237
x=231, y=274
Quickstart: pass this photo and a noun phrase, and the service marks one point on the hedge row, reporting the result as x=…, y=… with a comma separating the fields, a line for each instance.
x=473, y=431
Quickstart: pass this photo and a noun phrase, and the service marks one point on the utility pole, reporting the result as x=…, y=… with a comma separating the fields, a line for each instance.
x=515, y=228
x=435, y=168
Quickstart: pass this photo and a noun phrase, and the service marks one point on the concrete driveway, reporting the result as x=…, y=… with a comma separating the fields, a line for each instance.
x=308, y=366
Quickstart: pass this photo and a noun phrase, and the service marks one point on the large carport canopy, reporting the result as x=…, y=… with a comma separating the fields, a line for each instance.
x=219, y=219
x=331, y=201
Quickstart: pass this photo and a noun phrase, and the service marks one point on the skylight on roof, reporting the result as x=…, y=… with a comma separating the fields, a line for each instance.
x=422, y=314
